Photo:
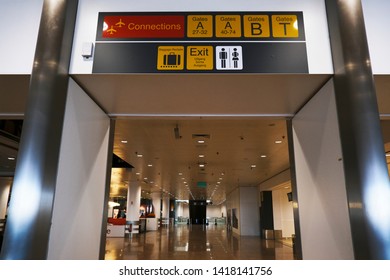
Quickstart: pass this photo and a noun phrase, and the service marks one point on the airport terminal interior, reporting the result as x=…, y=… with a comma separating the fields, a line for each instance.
x=173, y=147
x=187, y=130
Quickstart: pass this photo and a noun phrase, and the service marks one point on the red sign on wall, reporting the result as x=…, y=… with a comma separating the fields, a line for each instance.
x=137, y=27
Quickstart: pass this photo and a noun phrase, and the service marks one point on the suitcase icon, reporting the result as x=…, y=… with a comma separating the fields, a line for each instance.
x=172, y=59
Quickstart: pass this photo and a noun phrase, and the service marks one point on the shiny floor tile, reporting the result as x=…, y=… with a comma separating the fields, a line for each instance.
x=195, y=242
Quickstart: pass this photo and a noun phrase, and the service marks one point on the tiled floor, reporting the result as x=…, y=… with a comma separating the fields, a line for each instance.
x=196, y=242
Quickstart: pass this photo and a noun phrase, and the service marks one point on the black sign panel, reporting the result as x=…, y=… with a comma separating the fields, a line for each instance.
x=201, y=42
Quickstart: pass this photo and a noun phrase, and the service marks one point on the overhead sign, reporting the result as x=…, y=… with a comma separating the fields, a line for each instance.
x=170, y=58
x=229, y=58
x=256, y=26
x=143, y=26
x=179, y=42
x=228, y=26
x=199, y=26
x=200, y=58
x=285, y=26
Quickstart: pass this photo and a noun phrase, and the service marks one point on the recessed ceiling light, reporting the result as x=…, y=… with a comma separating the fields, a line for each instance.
x=201, y=141
x=388, y=154
x=253, y=165
x=124, y=141
x=139, y=155
x=137, y=173
x=263, y=156
x=201, y=164
x=11, y=158
x=201, y=156
x=278, y=142
x=150, y=165
x=180, y=173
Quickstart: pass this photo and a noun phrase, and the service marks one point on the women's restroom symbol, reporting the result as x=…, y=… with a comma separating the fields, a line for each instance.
x=229, y=58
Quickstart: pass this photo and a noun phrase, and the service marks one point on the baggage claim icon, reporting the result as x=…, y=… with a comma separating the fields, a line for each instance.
x=170, y=58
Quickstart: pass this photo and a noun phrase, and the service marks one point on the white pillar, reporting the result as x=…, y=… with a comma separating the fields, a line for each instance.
x=165, y=208
x=133, y=205
x=156, y=200
x=152, y=223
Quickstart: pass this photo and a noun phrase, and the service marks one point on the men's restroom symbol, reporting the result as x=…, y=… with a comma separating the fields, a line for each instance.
x=229, y=58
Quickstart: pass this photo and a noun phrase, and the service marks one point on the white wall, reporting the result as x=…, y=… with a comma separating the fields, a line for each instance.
x=376, y=13
x=318, y=48
x=323, y=212
x=182, y=210
x=249, y=211
x=79, y=198
x=283, y=212
x=185, y=210
x=20, y=23
x=5, y=186
x=213, y=211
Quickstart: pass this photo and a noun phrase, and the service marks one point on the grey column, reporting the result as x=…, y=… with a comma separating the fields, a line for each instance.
x=29, y=217
x=297, y=241
x=365, y=168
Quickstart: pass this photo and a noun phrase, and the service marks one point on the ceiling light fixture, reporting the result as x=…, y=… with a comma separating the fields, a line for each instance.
x=150, y=165
x=278, y=142
x=11, y=158
x=139, y=155
x=263, y=156
x=124, y=141
x=253, y=165
x=201, y=156
x=201, y=141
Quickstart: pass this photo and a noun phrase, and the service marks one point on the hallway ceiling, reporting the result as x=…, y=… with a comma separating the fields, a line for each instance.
x=239, y=116
x=235, y=153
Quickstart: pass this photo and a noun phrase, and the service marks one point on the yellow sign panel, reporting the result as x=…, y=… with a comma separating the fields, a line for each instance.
x=228, y=26
x=200, y=58
x=285, y=26
x=199, y=26
x=256, y=26
x=170, y=58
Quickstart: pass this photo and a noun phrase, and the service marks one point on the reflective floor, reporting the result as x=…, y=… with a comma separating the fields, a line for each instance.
x=197, y=242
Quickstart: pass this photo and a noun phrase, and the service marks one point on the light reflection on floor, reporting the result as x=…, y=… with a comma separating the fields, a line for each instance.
x=195, y=242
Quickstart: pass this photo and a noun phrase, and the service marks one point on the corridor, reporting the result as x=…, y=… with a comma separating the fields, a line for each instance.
x=196, y=242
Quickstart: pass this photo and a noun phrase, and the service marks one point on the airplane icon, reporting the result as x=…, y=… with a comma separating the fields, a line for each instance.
x=120, y=23
x=111, y=30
